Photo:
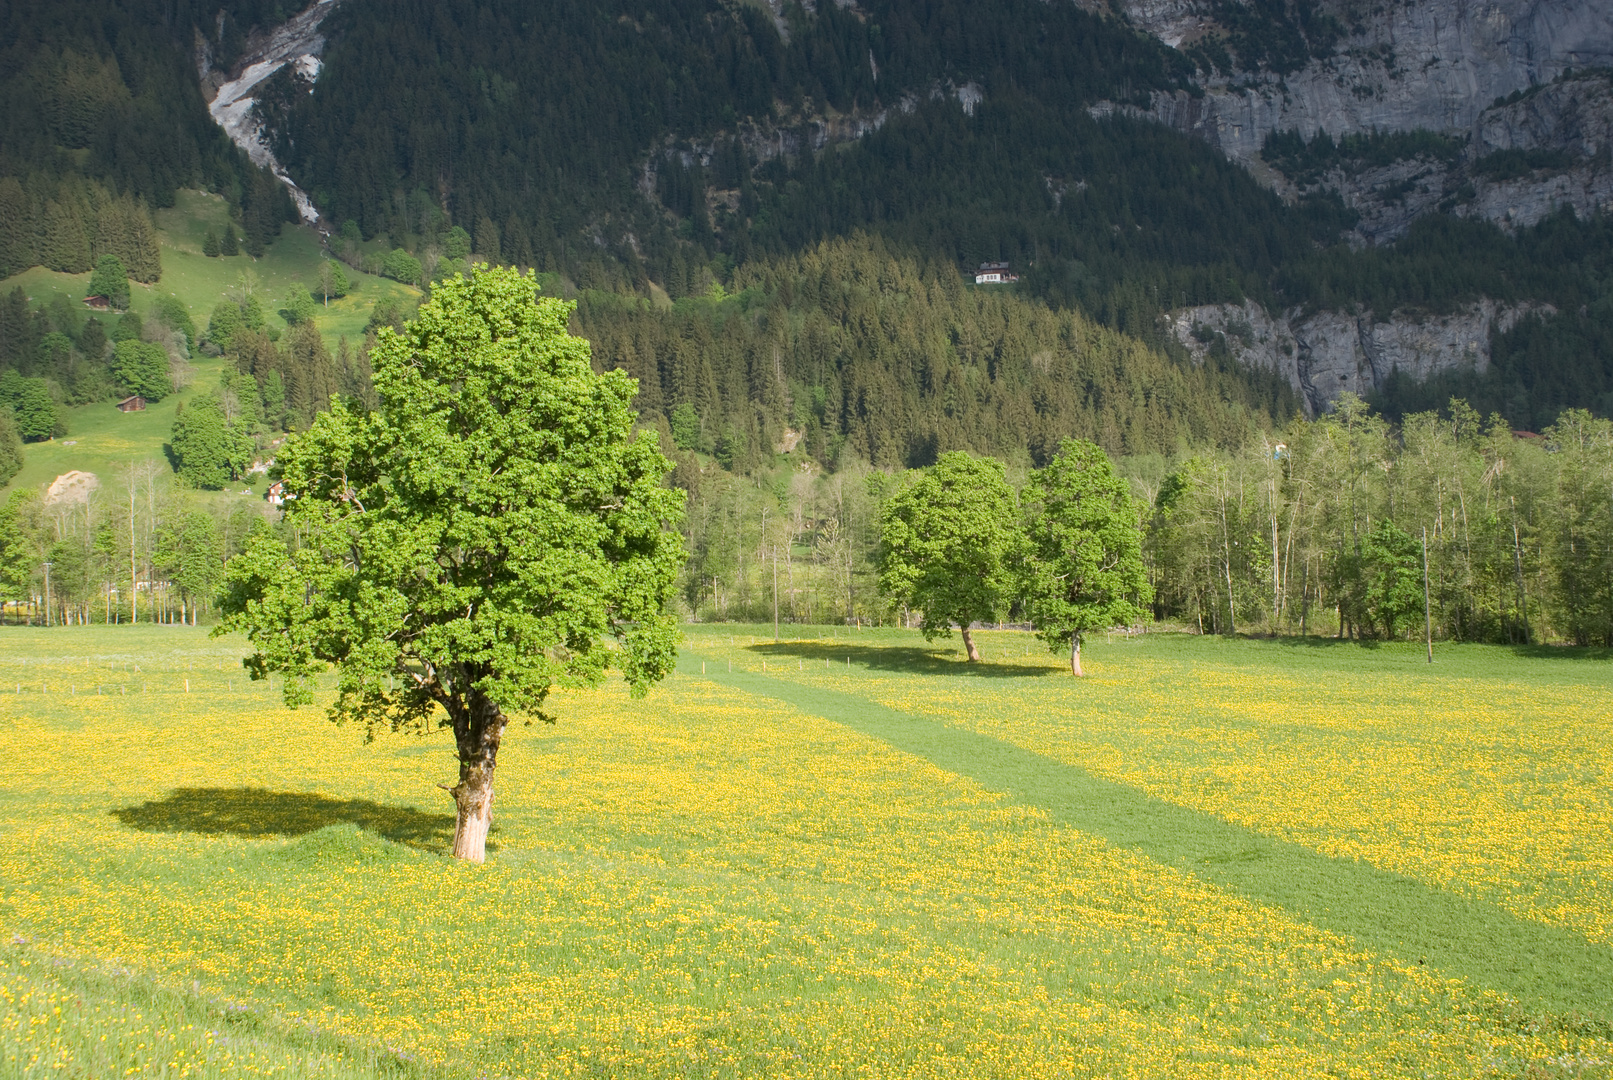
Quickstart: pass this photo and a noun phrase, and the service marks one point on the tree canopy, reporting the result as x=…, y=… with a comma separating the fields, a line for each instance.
x=1084, y=567
x=472, y=543
x=111, y=280
x=947, y=539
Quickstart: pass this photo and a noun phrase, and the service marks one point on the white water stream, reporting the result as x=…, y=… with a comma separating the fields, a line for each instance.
x=295, y=42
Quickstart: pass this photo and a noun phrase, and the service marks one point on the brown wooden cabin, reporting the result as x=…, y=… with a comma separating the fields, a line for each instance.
x=132, y=404
x=99, y=303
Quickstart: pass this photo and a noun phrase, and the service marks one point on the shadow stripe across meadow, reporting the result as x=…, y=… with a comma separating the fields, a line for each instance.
x=1544, y=967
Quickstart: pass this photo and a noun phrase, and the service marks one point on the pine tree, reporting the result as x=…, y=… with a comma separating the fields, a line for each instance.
x=210, y=246
x=229, y=244
x=64, y=243
x=16, y=228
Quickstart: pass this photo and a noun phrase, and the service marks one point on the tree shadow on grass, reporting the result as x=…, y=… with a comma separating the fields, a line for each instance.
x=259, y=812
x=908, y=659
x=1564, y=652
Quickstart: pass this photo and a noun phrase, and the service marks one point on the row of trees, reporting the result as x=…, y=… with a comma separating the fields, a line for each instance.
x=1329, y=527
x=1316, y=528
x=956, y=543
x=140, y=549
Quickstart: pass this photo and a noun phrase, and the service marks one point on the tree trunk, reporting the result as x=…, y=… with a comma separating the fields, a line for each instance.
x=477, y=730
x=1075, y=656
x=970, y=647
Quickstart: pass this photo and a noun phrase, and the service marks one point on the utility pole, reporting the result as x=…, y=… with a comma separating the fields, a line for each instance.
x=1428, y=611
x=134, y=570
x=47, y=594
x=775, y=594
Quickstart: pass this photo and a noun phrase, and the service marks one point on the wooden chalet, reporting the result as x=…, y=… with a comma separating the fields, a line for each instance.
x=994, y=273
x=99, y=303
x=132, y=404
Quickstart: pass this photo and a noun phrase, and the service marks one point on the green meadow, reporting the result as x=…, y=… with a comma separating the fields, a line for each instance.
x=844, y=853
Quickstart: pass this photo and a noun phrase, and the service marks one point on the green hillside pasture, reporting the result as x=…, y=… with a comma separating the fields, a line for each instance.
x=1208, y=859
x=100, y=439
x=202, y=282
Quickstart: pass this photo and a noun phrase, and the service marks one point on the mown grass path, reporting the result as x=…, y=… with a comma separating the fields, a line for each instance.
x=1545, y=967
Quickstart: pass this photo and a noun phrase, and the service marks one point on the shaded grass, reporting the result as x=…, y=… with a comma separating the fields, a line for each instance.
x=250, y=811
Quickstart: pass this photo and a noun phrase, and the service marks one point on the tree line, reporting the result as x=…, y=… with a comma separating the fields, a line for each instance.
x=140, y=548
x=1315, y=528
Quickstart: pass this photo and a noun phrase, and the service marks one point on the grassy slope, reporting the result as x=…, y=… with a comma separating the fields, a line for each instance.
x=995, y=871
x=101, y=438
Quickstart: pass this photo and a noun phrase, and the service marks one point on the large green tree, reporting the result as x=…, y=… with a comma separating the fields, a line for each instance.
x=110, y=280
x=1084, y=565
x=205, y=449
x=141, y=367
x=471, y=544
x=947, y=537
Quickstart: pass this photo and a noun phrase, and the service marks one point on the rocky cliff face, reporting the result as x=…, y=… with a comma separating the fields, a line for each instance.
x=1432, y=64
x=1323, y=354
x=1524, y=83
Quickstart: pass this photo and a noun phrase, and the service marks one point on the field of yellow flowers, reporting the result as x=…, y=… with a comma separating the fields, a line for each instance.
x=1208, y=859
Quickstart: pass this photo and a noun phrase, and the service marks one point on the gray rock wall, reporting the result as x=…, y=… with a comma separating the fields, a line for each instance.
x=1323, y=354
x=1434, y=64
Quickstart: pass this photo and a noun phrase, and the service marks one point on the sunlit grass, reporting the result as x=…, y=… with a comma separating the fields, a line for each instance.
x=716, y=881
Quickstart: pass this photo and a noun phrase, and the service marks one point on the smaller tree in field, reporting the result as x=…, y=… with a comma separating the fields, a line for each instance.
x=142, y=367
x=34, y=410
x=946, y=539
x=206, y=451
x=1083, y=564
x=332, y=280
x=111, y=280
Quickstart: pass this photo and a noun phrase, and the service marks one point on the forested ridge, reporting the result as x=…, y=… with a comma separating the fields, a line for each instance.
x=102, y=118
x=852, y=348
x=638, y=145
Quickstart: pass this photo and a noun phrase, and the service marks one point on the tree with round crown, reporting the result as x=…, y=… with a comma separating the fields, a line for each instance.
x=472, y=543
x=1083, y=564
